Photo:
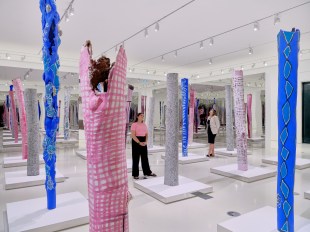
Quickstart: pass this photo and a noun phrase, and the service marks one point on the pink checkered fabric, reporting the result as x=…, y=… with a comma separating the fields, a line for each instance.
x=14, y=118
x=104, y=123
x=22, y=115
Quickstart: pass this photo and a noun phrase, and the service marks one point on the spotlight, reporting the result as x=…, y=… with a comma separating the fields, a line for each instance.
x=157, y=27
x=115, y=49
x=71, y=11
x=27, y=76
x=210, y=61
x=165, y=74
x=265, y=63
x=277, y=19
x=146, y=33
x=256, y=26
x=8, y=56
x=148, y=72
x=211, y=73
x=133, y=69
x=130, y=70
x=72, y=74
x=23, y=58
x=211, y=42
x=158, y=82
x=242, y=68
x=162, y=59
x=154, y=72
x=175, y=53
x=198, y=76
x=201, y=45
x=250, y=51
x=222, y=71
x=67, y=19
x=253, y=65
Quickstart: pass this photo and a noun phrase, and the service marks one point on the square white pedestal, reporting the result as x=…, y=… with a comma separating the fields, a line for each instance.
x=191, y=158
x=251, y=175
x=195, y=145
x=307, y=195
x=82, y=154
x=300, y=163
x=155, y=149
x=8, y=139
x=167, y=194
x=19, y=179
x=12, y=144
x=32, y=215
x=67, y=142
x=223, y=151
x=260, y=220
x=16, y=161
x=256, y=139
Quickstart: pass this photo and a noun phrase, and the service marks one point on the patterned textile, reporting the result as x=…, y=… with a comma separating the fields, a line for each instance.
x=191, y=116
x=249, y=115
x=229, y=119
x=184, y=87
x=51, y=42
x=150, y=122
x=240, y=120
x=66, y=113
x=104, y=123
x=23, y=123
x=288, y=49
x=33, y=140
x=143, y=105
x=14, y=114
x=172, y=128
x=128, y=105
x=197, y=119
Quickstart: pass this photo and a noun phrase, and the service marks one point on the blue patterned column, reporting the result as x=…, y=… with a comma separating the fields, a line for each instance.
x=184, y=86
x=51, y=42
x=288, y=48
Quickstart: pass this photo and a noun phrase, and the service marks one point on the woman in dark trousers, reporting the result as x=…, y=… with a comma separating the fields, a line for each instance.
x=139, y=148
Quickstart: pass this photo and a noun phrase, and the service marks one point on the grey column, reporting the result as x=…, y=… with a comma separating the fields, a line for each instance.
x=240, y=120
x=31, y=105
x=1, y=137
x=229, y=119
x=172, y=129
x=150, y=121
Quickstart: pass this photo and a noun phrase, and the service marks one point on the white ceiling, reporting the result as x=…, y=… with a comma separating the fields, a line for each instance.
x=107, y=23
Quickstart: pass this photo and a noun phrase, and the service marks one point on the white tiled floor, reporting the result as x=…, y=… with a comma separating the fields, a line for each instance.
x=195, y=214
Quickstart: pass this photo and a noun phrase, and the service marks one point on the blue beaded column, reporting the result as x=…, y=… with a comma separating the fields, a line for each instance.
x=288, y=48
x=51, y=42
x=184, y=86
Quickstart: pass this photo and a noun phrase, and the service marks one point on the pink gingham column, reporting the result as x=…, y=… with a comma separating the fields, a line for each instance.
x=14, y=115
x=22, y=115
x=104, y=123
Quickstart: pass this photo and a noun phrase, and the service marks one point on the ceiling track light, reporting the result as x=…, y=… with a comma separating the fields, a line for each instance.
x=201, y=45
x=198, y=76
x=115, y=49
x=222, y=71
x=242, y=68
x=211, y=42
x=250, y=51
x=156, y=27
x=277, y=19
x=162, y=59
x=210, y=61
x=130, y=70
x=256, y=26
x=146, y=33
x=7, y=55
x=148, y=72
x=265, y=63
x=154, y=73
x=71, y=11
x=23, y=58
x=67, y=19
x=165, y=74
x=253, y=65
x=175, y=53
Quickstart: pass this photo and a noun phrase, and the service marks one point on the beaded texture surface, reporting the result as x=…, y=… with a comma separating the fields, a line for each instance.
x=229, y=119
x=184, y=87
x=150, y=122
x=192, y=96
x=249, y=115
x=14, y=124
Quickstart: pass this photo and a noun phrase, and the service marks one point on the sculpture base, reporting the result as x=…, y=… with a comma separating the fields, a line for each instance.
x=9, y=139
x=256, y=139
x=167, y=194
x=16, y=161
x=155, y=149
x=10, y=144
x=300, y=163
x=191, y=158
x=19, y=179
x=69, y=142
x=195, y=145
x=32, y=215
x=82, y=154
x=223, y=151
x=307, y=195
x=251, y=175
x=260, y=220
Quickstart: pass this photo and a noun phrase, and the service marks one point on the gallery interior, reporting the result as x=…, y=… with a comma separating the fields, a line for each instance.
x=188, y=115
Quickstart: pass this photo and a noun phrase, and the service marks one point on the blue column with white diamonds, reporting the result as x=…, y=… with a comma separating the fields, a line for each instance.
x=184, y=86
x=288, y=48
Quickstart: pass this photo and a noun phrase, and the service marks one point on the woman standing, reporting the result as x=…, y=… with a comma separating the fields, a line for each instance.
x=139, y=148
x=213, y=127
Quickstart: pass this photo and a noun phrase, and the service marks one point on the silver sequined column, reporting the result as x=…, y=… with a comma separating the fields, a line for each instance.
x=31, y=105
x=229, y=119
x=150, y=122
x=172, y=129
x=66, y=113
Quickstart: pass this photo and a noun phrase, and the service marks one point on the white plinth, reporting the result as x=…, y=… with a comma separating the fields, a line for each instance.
x=251, y=175
x=223, y=151
x=12, y=144
x=82, y=154
x=256, y=139
x=307, y=195
x=32, y=215
x=19, y=179
x=8, y=139
x=16, y=161
x=260, y=220
x=155, y=149
x=191, y=158
x=195, y=145
x=66, y=142
x=300, y=163
x=167, y=194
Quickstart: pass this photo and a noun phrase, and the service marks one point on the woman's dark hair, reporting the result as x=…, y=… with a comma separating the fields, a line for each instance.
x=99, y=71
x=138, y=117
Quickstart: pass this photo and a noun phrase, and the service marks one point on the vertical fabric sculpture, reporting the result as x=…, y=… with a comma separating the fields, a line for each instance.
x=288, y=49
x=240, y=120
x=22, y=116
x=66, y=113
x=51, y=42
x=249, y=114
x=143, y=104
x=14, y=114
x=191, y=116
x=128, y=104
x=172, y=129
x=104, y=123
x=229, y=119
x=197, y=119
x=33, y=140
x=150, y=124
x=184, y=87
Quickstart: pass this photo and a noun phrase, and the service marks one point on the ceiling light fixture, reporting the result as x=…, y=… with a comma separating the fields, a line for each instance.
x=148, y=72
x=201, y=45
x=146, y=33
x=115, y=49
x=256, y=26
x=162, y=59
x=250, y=51
x=71, y=11
x=67, y=19
x=265, y=63
x=211, y=42
x=277, y=19
x=8, y=56
x=253, y=65
x=130, y=70
x=23, y=58
x=133, y=69
x=222, y=71
x=242, y=68
x=154, y=73
x=210, y=61
x=156, y=27
x=175, y=53
x=165, y=74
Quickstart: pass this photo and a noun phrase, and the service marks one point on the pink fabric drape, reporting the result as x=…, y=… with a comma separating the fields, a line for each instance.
x=14, y=116
x=22, y=115
x=104, y=123
x=249, y=114
x=191, y=116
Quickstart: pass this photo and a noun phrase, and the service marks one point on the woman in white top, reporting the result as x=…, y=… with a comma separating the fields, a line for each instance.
x=213, y=127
